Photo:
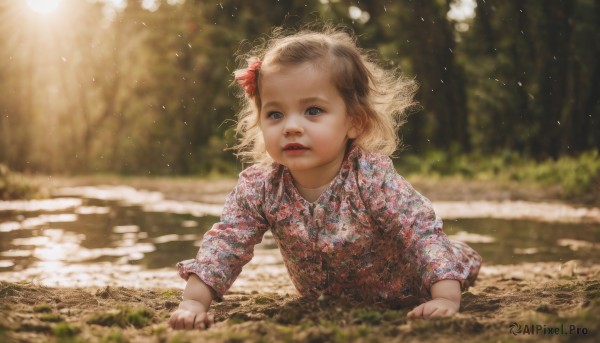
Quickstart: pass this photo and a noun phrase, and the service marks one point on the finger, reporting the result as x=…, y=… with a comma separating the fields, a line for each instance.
x=210, y=319
x=190, y=322
x=438, y=312
x=428, y=311
x=180, y=323
x=199, y=321
x=417, y=312
x=172, y=320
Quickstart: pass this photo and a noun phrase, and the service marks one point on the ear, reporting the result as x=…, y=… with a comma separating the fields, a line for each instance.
x=355, y=129
x=353, y=133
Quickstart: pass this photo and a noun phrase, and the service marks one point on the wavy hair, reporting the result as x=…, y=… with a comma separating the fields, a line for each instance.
x=377, y=100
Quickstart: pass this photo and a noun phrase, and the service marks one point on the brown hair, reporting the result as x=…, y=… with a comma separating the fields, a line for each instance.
x=376, y=99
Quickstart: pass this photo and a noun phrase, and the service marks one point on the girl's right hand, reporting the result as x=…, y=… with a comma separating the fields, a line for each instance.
x=191, y=314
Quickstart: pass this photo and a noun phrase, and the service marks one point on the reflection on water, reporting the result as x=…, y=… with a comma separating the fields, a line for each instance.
x=90, y=234
x=501, y=241
x=122, y=234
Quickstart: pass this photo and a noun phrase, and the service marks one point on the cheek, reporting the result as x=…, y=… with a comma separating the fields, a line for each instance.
x=269, y=136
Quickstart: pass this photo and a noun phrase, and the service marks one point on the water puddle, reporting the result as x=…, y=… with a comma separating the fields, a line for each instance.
x=503, y=241
x=95, y=236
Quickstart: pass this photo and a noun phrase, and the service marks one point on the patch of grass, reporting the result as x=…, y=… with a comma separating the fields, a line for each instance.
x=42, y=308
x=331, y=332
x=545, y=308
x=288, y=316
x=447, y=325
x=394, y=317
x=588, y=316
x=115, y=337
x=236, y=335
x=367, y=316
x=51, y=318
x=593, y=291
x=125, y=317
x=15, y=185
x=31, y=327
x=284, y=333
x=161, y=332
x=170, y=293
x=180, y=338
x=577, y=176
x=65, y=330
x=263, y=300
x=238, y=317
x=363, y=331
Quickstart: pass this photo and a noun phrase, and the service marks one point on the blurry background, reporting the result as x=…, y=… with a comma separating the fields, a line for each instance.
x=120, y=110
x=142, y=87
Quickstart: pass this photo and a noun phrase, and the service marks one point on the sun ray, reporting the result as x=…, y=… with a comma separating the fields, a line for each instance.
x=43, y=6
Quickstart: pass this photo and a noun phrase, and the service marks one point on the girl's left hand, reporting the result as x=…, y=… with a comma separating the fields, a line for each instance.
x=439, y=307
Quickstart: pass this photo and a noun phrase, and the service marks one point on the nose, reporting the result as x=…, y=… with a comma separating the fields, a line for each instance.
x=292, y=126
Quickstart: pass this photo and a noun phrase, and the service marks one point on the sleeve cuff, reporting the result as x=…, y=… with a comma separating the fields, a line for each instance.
x=187, y=267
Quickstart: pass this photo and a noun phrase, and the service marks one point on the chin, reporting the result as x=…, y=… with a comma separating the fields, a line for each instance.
x=294, y=166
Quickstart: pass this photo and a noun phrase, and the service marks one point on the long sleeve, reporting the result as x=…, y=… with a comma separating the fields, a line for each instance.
x=229, y=244
x=395, y=205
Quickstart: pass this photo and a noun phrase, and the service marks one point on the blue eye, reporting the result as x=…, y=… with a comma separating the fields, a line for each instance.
x=313, y=111
x=274, y=115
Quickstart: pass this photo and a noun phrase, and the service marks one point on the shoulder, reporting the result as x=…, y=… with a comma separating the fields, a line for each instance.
x=249, y=193
x=257, y=178
x=258, y=173
x=376, y=175
x=388, y=195
x=373, y=166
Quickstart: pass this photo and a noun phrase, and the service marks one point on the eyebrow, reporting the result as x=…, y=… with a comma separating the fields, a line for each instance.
x=302, y=101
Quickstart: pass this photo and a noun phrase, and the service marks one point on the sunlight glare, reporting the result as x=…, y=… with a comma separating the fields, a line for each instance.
x=43, y=6
x=461, y=10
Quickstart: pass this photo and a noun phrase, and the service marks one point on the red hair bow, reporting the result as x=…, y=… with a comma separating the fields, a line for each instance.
x=246, y=78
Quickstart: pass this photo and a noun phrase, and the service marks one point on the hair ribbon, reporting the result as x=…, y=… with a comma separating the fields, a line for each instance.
x=247, y=78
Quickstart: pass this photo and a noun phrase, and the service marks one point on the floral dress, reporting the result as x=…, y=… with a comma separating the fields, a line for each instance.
x=369, y=236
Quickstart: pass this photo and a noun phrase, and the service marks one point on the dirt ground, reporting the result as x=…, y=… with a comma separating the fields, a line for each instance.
x=531, y=301
x=549, y=302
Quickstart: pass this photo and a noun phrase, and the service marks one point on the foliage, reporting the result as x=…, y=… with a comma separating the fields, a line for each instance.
x=124, y=317
x=66, y=332
x=42, y=308
x=115, y=337
x=15, y=185
x=51, y=318
x=145, y=91
x=578, y=176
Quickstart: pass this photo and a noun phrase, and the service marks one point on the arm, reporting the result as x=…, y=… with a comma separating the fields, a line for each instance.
x=445, y=301
x=193, y=309
x=224, y=250
x=399, y=209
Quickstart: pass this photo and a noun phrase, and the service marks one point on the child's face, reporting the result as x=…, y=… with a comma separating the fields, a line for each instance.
x=304, y=122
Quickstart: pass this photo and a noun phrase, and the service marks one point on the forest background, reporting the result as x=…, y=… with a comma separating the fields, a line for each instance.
x=144, y=87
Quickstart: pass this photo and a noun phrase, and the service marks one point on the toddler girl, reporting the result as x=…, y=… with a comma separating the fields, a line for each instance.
x=320, y=122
